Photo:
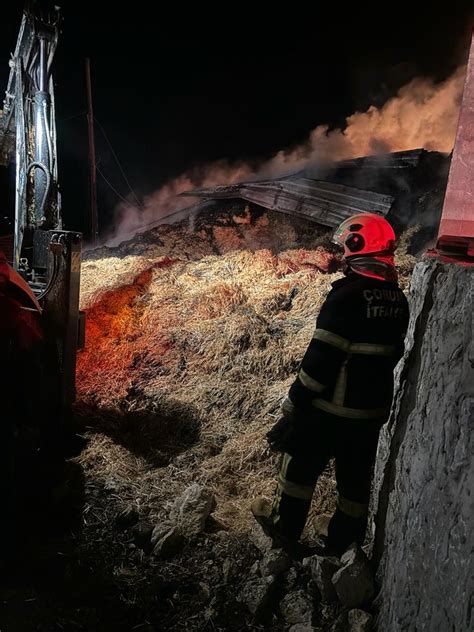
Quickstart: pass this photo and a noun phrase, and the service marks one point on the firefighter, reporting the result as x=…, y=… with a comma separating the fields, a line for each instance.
x=343, y=390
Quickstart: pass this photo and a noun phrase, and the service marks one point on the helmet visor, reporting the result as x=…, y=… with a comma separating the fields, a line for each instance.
x=343, y=230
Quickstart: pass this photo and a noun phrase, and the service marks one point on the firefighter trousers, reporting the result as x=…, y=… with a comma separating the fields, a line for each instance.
x=353, y=445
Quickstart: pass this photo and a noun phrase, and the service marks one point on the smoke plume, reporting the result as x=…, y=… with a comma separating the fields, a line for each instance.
x=422, y=114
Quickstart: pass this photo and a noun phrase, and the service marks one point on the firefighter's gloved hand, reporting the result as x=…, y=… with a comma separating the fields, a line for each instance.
x=279, y=435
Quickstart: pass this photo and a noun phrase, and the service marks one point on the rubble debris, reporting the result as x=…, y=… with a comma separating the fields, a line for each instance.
x=354, y=583
x=255, y=568
x=275, y=562
x=352, y=554
x=257, y=595
x=302, y=627
x=354, y=620
x=359, y=621
x=191, y=510
x=297, y=607
x=323, y=570
x=340, y=624
x=260, y=539
x=291, y=578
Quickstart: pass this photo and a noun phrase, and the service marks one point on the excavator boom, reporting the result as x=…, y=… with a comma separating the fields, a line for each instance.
x=46, y=258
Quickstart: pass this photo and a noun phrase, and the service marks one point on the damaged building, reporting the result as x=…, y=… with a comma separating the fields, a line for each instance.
x=406, y=187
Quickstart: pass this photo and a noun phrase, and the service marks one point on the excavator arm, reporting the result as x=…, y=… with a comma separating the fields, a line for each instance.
x=45, y=256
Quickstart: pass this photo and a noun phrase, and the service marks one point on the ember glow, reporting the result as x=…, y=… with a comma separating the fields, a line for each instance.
x=422, y=114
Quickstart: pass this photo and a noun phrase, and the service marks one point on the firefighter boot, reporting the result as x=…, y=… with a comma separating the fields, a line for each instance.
x=262, y=511
x=261, y=508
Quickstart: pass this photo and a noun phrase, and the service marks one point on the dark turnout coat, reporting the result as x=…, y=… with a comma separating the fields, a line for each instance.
x=347, y=369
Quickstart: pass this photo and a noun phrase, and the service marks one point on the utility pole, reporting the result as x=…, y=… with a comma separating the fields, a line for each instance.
x=93, y=169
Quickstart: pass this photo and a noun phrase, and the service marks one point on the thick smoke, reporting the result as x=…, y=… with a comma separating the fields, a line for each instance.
x=165, y=201
x=422, y=114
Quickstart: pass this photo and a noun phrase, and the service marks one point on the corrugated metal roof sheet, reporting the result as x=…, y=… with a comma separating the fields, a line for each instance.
x=365, y=166
x=397, y=159
x=323, y=202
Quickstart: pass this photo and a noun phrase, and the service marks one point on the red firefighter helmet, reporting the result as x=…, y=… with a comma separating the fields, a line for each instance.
x=365, y=234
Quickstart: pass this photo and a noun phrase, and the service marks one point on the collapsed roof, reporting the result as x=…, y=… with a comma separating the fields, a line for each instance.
x=407, y=187
x=327, y=194
x=324, y=202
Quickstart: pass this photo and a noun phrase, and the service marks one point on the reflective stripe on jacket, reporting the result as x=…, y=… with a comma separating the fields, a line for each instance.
x=347, y=369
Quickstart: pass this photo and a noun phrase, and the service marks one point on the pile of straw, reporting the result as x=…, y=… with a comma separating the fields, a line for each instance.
x=191, y=346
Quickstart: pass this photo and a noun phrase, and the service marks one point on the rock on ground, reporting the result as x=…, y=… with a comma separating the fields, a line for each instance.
x=353, y=582
x=323, y=570
x=257, y=594
x=359, y=621
x=260, y=539
x=191, y=510
x=297, y=607
x=275, y=562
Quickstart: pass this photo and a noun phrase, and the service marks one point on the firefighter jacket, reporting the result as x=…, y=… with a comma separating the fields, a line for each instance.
x=347, y=369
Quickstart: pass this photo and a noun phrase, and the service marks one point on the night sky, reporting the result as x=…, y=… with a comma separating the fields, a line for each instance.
x=185, y=87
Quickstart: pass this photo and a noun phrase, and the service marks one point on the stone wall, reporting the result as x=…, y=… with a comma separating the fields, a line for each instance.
x=424, y=480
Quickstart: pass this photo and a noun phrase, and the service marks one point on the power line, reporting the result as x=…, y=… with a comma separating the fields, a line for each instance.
x=118, y=163
x=112, y=187
x=73, y=116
